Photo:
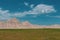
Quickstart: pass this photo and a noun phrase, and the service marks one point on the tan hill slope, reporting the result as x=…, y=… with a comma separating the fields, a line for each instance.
x=14, y=23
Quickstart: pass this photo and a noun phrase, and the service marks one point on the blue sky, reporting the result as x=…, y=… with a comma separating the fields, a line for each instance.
x=43, y=12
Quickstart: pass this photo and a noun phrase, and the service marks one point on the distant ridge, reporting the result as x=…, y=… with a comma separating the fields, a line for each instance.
x=15, y=24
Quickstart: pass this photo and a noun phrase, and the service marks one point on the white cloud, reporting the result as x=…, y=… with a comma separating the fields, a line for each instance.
x=26, y=3
x=39, y=9
x=19, y=14
x=4, y=14
x=32, y=5
x=42, y=8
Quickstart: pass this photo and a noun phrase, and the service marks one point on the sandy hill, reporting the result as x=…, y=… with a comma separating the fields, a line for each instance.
x=14, y=23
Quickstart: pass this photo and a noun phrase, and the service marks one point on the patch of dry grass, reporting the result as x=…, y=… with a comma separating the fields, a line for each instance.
x=29, y=34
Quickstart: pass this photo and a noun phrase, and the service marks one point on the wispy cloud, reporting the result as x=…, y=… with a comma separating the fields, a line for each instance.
x=29, y=5
x=53, y=16
x=42, y=8
x=26, y=4
x=37, y=10
x=32, y=5
x=4, y=14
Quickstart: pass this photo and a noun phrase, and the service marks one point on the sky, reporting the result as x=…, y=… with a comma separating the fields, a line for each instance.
x=41, y=12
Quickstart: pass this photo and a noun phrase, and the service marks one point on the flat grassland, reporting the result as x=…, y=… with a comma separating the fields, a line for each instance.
x=29, y=34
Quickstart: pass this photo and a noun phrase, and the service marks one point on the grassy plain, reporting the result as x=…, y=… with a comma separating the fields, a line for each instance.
x=29, y=34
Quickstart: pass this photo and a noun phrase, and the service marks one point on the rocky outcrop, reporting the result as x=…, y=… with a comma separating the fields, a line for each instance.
x=15, y=24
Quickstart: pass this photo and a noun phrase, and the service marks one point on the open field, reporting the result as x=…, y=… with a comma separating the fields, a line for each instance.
x=29, y=34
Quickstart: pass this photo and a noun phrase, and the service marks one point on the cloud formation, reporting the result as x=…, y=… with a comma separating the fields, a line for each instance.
x=29, y=5
x=42, y=8
x=32, y=5
x=26, y=4
x=37, y=10
x=4, y=14
x=53, y=16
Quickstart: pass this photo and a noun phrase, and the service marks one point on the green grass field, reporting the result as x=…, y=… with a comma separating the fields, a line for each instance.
x=29, y=34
